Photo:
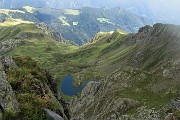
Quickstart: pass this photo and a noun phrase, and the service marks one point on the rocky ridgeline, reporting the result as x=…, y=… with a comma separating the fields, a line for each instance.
x=137, y=90
x=46, y=29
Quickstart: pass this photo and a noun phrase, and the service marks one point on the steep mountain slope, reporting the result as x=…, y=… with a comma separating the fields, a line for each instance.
x=31, y=89
x=82, y=24
x=34, y=88
x=78, y=25
x=137, y=75
x=143, y=77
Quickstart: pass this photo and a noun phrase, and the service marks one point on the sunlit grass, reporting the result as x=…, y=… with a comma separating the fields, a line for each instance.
x=104, y=20
x=7, y=11
x=71, y=12
x=64, y=21
x=29, y=9
x=12, y=22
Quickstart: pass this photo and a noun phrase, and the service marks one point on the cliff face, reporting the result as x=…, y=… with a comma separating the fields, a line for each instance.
x=28, y=92
x=8, y=101
x=145, y=83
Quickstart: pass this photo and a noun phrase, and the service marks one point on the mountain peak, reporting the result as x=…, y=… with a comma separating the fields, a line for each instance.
x=145, y=29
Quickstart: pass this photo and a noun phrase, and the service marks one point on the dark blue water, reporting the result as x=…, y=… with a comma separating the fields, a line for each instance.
x=68, y=89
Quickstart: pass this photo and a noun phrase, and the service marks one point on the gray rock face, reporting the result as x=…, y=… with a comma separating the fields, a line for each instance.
x=97, y=102
x=9, y=44
x=53, y=115
x=43, y=27
x=8, y=102
x=172, y=110
x=56, y=36
x=8, y=62
x=150, y=71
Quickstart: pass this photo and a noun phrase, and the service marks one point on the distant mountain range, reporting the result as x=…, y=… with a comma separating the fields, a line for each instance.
x=159, y=11
x=58, y=4
x=79, y=25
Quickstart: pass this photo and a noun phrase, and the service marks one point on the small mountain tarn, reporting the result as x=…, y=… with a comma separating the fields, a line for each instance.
x=68, y=89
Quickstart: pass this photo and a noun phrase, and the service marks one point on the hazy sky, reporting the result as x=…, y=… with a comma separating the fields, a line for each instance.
x=166, y=9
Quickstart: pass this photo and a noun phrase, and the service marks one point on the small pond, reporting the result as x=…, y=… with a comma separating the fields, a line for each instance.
x=68, y=89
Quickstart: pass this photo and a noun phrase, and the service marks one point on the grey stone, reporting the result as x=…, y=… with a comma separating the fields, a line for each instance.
x=8, y=102
x=9, y=62
x=53, y=115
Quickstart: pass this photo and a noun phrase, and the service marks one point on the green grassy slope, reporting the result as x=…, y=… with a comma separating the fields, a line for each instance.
x=33, y=42
x=61, y=59
x=29, y=40
x=142, y=67
x=31, y=86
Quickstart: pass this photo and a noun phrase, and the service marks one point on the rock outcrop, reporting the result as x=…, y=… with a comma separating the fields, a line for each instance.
x=56, y=36
x=34, y=88
x=98, y=101
x=8, y=102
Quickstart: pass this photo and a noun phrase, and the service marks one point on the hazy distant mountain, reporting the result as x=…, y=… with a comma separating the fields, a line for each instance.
x=159, y=11
x=60, y=4
x=80, y=25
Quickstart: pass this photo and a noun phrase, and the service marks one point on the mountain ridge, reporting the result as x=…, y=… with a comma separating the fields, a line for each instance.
x=138, y=80
x=137, y=74
x=79, y=25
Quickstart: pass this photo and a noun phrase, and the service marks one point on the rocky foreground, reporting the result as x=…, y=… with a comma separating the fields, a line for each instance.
x=27, y=91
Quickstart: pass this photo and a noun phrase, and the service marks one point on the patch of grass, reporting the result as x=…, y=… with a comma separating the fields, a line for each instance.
x=29, y=9
x=71, y=12
x=104, y=20
x=64, y=20
x=30, y=84
x=75, y=23
x=13, y=22
x=7, y=11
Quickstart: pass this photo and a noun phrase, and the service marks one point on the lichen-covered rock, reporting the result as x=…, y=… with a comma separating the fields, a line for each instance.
x=8, y=61
x=9, y=44
x=8, y=102
x=97, y=102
